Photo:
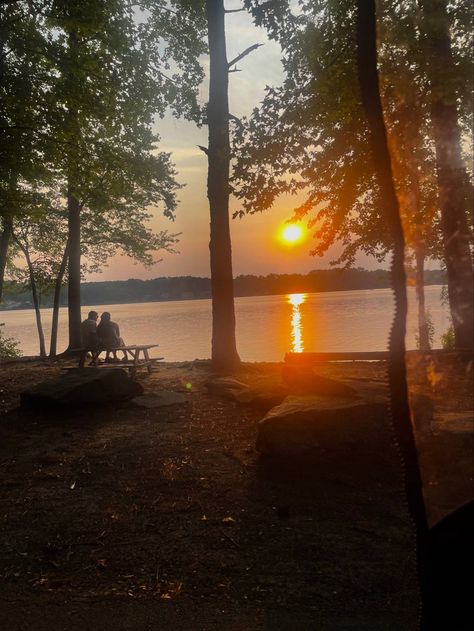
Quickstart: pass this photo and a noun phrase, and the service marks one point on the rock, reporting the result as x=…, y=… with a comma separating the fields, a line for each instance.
x=369, y=389
x=160, y=399
x=262, y=399
x=226, y=387
x=305, y=424
x=84, y=386
x=304, y=380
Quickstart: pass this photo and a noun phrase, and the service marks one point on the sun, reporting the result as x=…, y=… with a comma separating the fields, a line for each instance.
x=291, y=234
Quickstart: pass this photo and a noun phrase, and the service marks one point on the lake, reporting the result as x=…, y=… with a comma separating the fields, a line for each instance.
x=267, y=326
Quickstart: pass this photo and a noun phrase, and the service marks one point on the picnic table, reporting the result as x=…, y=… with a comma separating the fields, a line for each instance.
x=138, y=352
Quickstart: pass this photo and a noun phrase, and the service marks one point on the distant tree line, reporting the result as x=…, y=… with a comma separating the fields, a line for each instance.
x=192, y=288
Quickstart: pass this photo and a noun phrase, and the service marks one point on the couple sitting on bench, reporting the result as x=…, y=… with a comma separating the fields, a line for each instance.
x=102, y=336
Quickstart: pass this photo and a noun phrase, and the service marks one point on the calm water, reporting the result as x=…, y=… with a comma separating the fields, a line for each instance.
x=267, y=326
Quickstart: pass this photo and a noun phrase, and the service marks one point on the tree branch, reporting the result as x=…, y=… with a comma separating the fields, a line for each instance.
x=42, y=134
x=246, y=52
x=204, y=149
x=234, y=10
x=236, y=120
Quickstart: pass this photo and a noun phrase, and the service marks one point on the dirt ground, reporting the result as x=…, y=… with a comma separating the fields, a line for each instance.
x=132, y=518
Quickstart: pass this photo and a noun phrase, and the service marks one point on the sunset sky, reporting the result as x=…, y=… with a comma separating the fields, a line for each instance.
x=257, y=248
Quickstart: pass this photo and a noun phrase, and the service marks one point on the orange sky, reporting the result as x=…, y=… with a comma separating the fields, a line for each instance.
x=256, y=249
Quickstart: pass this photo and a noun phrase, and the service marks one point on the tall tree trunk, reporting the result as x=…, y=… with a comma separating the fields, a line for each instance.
x=400, y=411
x=224, y=350
x=74, y=270
x=453, y=187
x=36, y=300
x=423, y=329
x=56, y=302
x=414, y=220
x=74, y=212
x=5, y=236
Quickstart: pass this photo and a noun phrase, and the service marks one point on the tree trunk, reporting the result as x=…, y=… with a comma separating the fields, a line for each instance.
x=56, y=301
x=423, y=330
x=453, y=185
x=74, y=271
x=74, y=215
x=224, y=350
x=5, y=236
x=400, y=411
x=36, y=301
x=414, y=218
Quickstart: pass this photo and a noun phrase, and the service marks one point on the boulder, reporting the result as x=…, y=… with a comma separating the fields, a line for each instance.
x=81, y=387
x=312, y=424
x=261, y=398
x=226, y=387
x=304, y=380
x=160, y=399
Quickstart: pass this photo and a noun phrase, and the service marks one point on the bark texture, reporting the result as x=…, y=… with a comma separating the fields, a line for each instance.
x=35, y=296
x=5, y=236
x=453, y=184
x=423, y=329
x=224, y=350
x=400, y=411
x=416, y=220
x=74, y=271
x=74, y=213
x=56, y=301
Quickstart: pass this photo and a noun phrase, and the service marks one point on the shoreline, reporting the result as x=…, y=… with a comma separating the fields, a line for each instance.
x=303, y=358
x=202, y=298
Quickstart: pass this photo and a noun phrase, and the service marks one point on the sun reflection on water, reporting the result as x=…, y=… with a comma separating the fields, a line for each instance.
x=296, y=300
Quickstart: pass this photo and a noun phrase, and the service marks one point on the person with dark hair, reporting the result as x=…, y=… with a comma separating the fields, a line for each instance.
x=109, y=336
x=89, y=337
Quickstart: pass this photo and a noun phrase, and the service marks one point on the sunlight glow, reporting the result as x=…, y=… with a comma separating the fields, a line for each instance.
x=292, y=234
x=296, y=300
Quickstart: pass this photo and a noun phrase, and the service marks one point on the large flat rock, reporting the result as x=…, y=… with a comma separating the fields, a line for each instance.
x=161, y=399
x=87, y=386
x=305, y=380
x=308, y=424
x=226, y=387
x=261, y=398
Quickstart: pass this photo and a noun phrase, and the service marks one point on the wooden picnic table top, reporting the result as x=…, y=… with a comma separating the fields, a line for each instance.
x=134, y=347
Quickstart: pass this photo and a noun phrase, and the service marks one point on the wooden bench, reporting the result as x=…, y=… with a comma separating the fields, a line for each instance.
x=306, y=358
x=135, y=350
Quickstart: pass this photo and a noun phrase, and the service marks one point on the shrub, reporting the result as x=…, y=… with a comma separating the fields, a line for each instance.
x=447, y=339
x=9, y=347
x=431, y=330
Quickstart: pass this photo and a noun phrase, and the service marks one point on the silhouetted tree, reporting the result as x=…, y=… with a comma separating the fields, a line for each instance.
x=455, y=191
x=224, y=350
x=400, y=410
